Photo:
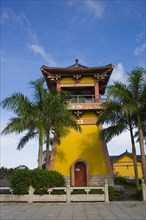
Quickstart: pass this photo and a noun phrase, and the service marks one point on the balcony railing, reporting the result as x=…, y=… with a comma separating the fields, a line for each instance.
x=85, y=99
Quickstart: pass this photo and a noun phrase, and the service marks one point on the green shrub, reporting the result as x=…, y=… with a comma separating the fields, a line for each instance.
x=6, y=173
x=44, y=179
x=96, y=191
x=56, y=179
x=20, y=181
x=78, y=191
x=58, y=192
x=121, y=180
x=114, y=195
x=39, y=179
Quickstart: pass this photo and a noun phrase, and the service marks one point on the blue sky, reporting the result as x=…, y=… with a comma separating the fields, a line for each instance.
x=55, y=33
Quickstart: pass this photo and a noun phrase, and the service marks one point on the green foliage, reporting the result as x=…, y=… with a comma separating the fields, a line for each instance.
x=92, y=191
x=96, y=191
x=44, y=179
x=58, y=192
x=126, y=109
x=139, y=193
x=7, y=173
x=120, y=180
x=56, y=179
x=78, y=191
x=45, y=111
x=39, y=179
x=114, y=195
x=20, y=182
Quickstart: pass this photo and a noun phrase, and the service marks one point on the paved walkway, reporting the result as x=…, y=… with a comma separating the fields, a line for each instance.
x=74, y=211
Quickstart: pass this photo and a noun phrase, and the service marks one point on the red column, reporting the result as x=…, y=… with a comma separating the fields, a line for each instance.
x=58, y=86
x=96, y=85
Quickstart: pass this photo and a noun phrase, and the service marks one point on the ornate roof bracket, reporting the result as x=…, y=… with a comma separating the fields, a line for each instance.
x=78, y=114
x=98, y=112
x=97, y=77
x=77, y=77
x=54, y=77
x=101, y=76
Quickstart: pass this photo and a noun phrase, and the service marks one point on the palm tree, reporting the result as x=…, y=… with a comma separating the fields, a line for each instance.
x=125, y=110
x=58, y=121
x=114, y=114
x=28, y=116
x=45, y=113
x=137, y=87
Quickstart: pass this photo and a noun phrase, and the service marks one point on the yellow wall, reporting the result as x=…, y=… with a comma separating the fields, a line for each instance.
x=125, y=167
x=85, y=146
x=89, y=115
x=82, y=80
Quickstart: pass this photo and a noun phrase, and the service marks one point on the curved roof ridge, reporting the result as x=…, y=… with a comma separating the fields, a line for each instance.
x=79, y=67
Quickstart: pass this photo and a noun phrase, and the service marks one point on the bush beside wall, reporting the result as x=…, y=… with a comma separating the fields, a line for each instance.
x=39, y=179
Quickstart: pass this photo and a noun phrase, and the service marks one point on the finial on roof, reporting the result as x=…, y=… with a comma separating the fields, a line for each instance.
x=126, y=151
x=76, y=60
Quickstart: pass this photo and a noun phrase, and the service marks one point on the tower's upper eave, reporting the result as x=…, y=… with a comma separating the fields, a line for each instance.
x=76, y=69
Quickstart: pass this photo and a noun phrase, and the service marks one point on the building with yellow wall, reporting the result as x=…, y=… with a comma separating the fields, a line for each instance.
x=82, y=157
x=123, y=165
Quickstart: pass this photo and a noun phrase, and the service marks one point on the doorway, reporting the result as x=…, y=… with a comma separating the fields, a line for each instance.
x=80, y=174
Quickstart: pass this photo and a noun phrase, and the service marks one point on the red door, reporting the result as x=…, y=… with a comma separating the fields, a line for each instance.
x=80, y=174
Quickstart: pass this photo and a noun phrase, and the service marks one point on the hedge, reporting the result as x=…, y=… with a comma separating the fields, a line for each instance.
x=39, y=179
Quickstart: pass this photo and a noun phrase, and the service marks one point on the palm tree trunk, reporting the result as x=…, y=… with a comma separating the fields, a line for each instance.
x=141, y=142
x=134, y=157
x=47, y=151
x=40, y=151
x=142, y=154
x=53, y=153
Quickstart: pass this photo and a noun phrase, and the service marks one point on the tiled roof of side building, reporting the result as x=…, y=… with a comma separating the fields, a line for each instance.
x=4, y=182
x=114, y=158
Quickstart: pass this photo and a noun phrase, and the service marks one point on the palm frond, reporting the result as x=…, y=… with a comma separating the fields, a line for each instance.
x=136, y=80
x=25, y=139
x=15, y=125
x=119, y=92
x=108, y=133
x=16, y=103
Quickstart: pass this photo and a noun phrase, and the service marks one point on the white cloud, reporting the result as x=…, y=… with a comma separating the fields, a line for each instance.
x=37, y=49
x=95, y=8
x=11, y=157
x=84, y=9
x=140, y=49
x=140, y=36
x=121, y=143
x=118, y=74
x=9, y=15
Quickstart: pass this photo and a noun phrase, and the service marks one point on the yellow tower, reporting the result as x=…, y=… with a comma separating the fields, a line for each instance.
x=82, y=157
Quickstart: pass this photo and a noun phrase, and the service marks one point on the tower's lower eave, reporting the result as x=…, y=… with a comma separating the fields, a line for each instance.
x=84, y=106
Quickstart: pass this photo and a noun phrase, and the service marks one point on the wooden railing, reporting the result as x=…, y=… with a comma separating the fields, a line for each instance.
x=86, y=99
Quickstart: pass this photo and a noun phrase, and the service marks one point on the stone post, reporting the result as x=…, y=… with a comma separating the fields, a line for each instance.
x=106, y=192
x=68, y=194
x=30, y=194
